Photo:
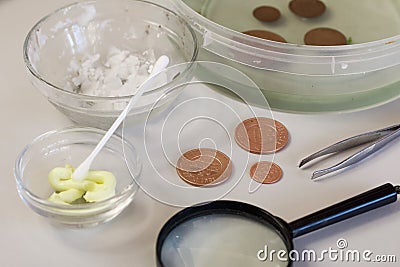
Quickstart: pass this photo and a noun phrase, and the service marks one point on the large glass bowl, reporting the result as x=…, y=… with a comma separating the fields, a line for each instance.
x=305, y=78
x=71, y=146
x=93, y=28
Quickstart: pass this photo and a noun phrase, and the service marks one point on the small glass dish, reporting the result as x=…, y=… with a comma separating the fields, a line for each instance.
x=88, y=37
x=71, y=146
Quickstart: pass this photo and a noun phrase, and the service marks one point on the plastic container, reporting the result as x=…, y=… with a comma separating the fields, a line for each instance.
x=301, y=78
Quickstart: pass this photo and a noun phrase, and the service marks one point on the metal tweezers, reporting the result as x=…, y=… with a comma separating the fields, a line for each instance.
x=380, y=138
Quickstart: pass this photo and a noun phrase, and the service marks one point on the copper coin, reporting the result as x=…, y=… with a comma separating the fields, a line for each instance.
x=261, y=135
x=204, y=167
x=266, y=35
x=266, y=13
x=324, y=36
x=266, y=172
x=307, y=8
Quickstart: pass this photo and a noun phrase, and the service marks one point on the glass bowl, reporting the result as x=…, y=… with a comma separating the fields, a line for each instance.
x=71, y=146
x=306, y=78
x=69, y=52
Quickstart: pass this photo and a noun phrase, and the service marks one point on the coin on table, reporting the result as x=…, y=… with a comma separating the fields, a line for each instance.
x=266, y=172
x=261, y=135
x=204, y=167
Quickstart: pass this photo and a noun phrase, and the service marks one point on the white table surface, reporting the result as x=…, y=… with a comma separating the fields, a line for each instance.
x=27, y=239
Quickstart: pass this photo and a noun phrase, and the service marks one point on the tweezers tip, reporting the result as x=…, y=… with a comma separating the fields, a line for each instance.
x=316, y=175
x=302, y=162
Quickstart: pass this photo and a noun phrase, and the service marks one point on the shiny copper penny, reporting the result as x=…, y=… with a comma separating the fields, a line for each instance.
x=266, y=35
x=307, y=8
x=261, y=135
x=266, y=172
x=266, y=13
x=324, y=36
x=204, y=167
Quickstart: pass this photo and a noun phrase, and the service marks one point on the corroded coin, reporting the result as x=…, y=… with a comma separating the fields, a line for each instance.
x=204, y=167
x=307, y=8
x=261, y=135
x=266, y=35
x=266, y=13
x=324, y=36
x=266, y=172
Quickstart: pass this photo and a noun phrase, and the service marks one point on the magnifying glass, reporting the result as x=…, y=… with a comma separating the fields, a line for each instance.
x=228, y=233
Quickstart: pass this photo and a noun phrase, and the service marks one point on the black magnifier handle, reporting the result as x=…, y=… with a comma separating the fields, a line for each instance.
x=372, y=199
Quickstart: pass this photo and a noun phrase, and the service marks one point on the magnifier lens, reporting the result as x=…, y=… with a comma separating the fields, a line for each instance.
x=222, y=240
x=234, y=234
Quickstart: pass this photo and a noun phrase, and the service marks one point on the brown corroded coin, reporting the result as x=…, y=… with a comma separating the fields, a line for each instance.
x=266, y=13
x=324, y=36
x=261, y=135
x=266, y=35
x=307, y=8
x=266, y=172
x=204, y=167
